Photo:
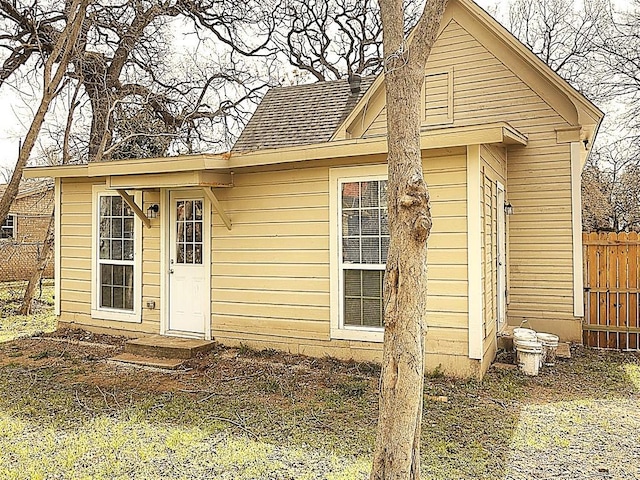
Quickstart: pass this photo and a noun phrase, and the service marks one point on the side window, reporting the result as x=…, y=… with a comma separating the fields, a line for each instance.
x=8, y=229
x=117, y=258
x=364, y=242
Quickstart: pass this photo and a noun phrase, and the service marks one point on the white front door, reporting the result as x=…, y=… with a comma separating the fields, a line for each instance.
x=189, y=266
x=501, y=260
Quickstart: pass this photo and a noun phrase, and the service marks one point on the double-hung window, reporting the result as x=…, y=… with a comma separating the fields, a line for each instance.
x=8, y=229
x=362, y=241
x=117, y=253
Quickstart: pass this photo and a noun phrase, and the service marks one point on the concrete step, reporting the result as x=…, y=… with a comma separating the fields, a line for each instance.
x=160, y=346
x=564, y=350
x=155, y=362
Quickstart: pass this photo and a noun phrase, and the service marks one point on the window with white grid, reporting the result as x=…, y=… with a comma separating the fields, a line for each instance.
x=117, y=258
x=364, y=242
x=116, y=246
x=8, y=228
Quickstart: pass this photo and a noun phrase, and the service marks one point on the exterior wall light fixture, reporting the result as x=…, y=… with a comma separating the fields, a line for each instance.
x=152, y=211
x=508, y=208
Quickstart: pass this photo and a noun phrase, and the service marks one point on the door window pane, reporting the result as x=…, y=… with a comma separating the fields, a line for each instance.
x=189, y=227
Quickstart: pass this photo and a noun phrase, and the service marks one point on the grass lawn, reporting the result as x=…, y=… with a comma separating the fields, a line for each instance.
x=67, y=413
x=13, y=326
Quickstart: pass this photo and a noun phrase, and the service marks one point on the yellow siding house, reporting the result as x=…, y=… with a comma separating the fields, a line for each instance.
x=281, y=243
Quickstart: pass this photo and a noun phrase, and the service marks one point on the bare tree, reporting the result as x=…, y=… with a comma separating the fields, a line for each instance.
x=562, y=35
x=5, y=173
x=619, y=64
x=41, y=264
x=124, y=64
x=597, y=210
x=332, y=39
x=58, y=57
x=628, y=199
x=397, y=451
x=610, y=192
x=329, y=38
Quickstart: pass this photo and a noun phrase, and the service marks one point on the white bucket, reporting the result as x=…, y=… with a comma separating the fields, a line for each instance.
x=529, y=354
x=549, y=348
x=522, y=335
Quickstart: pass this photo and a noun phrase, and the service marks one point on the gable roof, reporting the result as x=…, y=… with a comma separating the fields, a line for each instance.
x=573, y=106
x=300, y=115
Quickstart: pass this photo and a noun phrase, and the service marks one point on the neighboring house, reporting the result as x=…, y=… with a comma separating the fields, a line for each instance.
x=24, y=230
x=281, y=243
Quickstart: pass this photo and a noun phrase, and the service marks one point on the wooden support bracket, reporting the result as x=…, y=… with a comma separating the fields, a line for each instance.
x=217, y=206
x=136, y=209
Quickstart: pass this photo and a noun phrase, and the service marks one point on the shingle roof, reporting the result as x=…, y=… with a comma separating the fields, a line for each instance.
x=300, y=115
x=30, y=187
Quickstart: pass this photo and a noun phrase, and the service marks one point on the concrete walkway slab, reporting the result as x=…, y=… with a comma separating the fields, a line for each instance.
x=164, y=363
x=161, y=346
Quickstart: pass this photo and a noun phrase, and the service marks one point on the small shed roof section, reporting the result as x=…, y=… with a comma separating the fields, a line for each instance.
x=300, y=115
x=30, y=187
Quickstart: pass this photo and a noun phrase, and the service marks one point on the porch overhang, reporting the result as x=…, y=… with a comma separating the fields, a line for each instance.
x=194, y=169
x=195, y=178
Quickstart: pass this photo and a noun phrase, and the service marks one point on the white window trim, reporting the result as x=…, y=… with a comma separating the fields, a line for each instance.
x=134, y=316
x=576, y=228
x=13, y=227
x=337, y=176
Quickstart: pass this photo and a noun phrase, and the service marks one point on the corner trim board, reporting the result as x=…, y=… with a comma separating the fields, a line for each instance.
x=57, y=245
x=474, y=248
x=576, y=226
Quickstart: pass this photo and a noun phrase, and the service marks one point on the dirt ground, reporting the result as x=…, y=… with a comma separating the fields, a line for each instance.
x=67, y=412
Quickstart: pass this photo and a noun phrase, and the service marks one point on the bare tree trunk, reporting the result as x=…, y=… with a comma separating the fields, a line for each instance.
x=43, y=261
x=49, y=238
x=397, y=451
x=61, y=55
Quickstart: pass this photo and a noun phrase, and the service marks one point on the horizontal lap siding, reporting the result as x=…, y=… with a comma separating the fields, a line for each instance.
x=540, y=281
x=538, y=183
x=540, y=248
x=75, y=250
x=75, y=256
x=151, y=266
x=447, y=298
x=270, y=274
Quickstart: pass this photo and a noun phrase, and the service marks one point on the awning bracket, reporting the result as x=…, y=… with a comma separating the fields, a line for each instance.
x=136, y=209
x=217, y=206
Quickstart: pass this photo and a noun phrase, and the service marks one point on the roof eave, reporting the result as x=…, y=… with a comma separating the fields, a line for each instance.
x=452, y=136
x=138, y=166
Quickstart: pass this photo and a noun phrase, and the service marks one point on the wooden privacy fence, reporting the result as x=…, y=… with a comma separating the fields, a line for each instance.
x=612, y=290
